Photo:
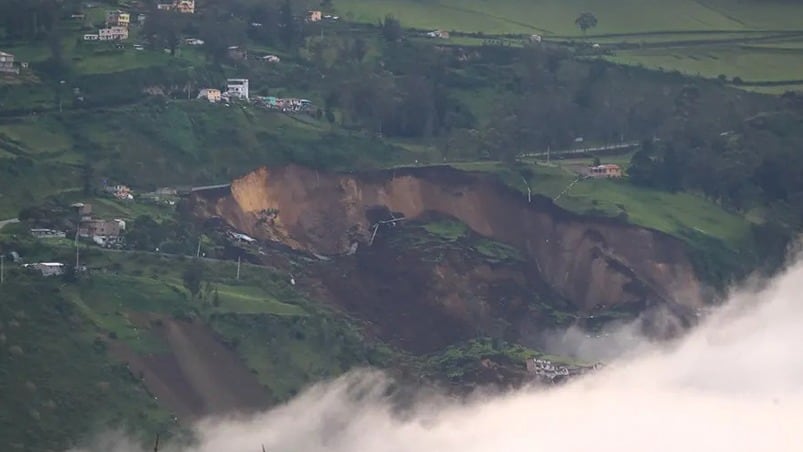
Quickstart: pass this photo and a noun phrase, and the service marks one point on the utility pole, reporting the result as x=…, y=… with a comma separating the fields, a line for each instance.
x=77, y=263
x=238, y=268
x=198, y=251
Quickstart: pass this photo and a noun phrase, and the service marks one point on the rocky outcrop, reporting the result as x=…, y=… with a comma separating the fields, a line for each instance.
x=593, y=262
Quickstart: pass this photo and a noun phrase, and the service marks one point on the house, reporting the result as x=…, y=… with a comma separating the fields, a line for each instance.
x=242, y=237
x=545, y=368
x=77, y=16
x=439, y=34
x=113, y=34
x=535, y=39
x=91, y=37
x=605, y=171
x=185, y=6
x=164, y=6
x=117, y=18
x=48, y=234
x=100, y=228
x=237, y=88
x=314, y=16
x=120, y=192
x=47, y=268
x=270, y=58
x=210, y=94
x=194, y=42
x=7, y=64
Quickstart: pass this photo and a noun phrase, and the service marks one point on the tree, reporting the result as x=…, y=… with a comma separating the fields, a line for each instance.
x=192, y=277
x=219, y=34
x=163, y=30
x=585, y=21
x=288, y=29
x=391, y=29
x=358, y=49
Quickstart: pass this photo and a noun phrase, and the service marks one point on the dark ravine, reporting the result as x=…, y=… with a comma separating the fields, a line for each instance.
x=595, y=263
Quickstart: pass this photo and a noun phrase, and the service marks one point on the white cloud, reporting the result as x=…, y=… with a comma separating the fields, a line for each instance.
x=734, y=384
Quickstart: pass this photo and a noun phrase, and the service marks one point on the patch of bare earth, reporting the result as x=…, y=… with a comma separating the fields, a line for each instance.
x=198, y=375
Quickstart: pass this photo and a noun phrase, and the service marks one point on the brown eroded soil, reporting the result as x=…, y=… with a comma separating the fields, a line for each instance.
x=590, y=261
x=422, y=302
x=198, y=375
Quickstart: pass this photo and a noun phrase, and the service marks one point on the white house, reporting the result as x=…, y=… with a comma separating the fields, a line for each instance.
x=47, y=268
x=113, y=33
x=439, y=34
x=7, y=63
x=91, y=37
x=41, y=233
x=270, y=58
x=237, y=87
x=242, y=237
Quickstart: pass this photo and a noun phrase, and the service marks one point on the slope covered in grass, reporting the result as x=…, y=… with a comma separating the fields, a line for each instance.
x=556, y=17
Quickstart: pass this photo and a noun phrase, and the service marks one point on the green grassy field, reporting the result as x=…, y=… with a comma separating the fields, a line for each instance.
x=673, y=213
x=556, y=17
x=718, y=29
x=59, y=379
x=178, y=143
x=765, y=63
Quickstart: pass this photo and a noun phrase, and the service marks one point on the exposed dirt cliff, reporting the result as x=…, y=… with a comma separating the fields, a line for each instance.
x=591, y=262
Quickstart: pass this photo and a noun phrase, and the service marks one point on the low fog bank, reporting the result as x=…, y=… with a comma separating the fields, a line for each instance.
x=734, y=384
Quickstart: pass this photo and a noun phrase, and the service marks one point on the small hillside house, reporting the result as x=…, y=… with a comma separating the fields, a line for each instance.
x=605, y=171
x=47, y=268
x=7, y=63
x=237, y=88
x=117, y=19
x=185, y=6
x=113, y=34
x=210, y=94
x=314, y=16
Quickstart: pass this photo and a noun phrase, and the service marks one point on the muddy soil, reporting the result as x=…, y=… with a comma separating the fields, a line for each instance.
x=592, y=262
x=198, y=375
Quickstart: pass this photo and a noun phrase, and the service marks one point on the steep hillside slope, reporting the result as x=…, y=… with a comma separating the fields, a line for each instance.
x=591, y=262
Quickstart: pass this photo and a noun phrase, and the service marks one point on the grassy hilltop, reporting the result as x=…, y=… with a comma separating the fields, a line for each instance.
x=756, y=41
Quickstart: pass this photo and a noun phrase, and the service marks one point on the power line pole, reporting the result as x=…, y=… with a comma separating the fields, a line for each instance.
x=238, y=268
x=198, y=251
x=77, y=262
